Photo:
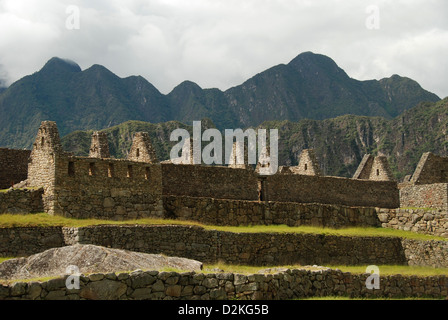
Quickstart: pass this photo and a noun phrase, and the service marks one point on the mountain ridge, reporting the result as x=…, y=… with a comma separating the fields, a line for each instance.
x=309, y=86
x=339, y=143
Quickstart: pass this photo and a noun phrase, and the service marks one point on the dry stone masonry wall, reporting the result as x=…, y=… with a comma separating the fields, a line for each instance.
x=19, y=242
x=93, y=187
x=13, y=166
x=433, y=195
x=21, y=201
x=374, y=168
x=99, y=147
x=212, y=246
x=308, y=164
x=287, y=284
x=433, y=222
x=431, y=169
x=332, y=190
x=100, y=187
x=236, y=212
x=107, y=189
x=209, y=181
x=141, y=149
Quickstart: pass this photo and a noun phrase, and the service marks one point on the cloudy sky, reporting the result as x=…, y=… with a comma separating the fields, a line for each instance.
x=222, y=43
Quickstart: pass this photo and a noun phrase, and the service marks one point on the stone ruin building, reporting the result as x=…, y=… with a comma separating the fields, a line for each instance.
x=138, y=186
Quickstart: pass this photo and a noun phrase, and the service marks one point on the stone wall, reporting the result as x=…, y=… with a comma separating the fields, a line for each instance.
x=209, y=181
x=18, y=242
x=237, y=212
x=424, y=195
x=431, y=169
x=433, y=222
x=373, y=168
x=241, y=184
x=212, y=246
x=287, y=284
x=13, y=166
x=426, y=253
x=47, y=149
x=107, y=189
x=93, y=187
x=21, y=201
x=99, y=146
x=332, y=190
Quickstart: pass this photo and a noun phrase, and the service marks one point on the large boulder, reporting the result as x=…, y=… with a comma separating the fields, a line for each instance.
x=89, y=259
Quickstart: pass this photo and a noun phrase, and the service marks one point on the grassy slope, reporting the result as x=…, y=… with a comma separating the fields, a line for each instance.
x=45, y=220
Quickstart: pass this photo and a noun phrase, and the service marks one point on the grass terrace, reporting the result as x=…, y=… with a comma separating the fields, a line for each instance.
x=46, y=220
x=384, y=269
x=243, y=269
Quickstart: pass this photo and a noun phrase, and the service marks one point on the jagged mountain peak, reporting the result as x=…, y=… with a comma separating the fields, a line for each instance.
x=310, y=86
x=187, y=86
x=59, y=65
x=313, y=62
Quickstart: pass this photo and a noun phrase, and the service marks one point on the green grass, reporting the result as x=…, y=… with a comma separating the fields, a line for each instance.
x=245, y=269
x=5, y=258
x=46, y=220
x=396, y=269
x=41, y=279
x=384, y=269
x=44, y=279
x=354, y=232
x=419, y=208
x=27, y=188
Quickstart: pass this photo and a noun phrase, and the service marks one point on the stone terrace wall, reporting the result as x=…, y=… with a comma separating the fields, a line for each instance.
x=211, y=246
x=21, y=201
x=433, y=222
x=18, y=242
x=332, y=190
x=237, y=212
x=209, y=181
x=426, y=253
x=107, y=189
x=13, y=166
x=289, y=284
x=424, y=195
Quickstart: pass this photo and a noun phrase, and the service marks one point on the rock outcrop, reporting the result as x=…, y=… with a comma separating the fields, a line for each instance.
x=89, y=259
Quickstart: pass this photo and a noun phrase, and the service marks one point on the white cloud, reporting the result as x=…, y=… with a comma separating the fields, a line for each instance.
x=221, y=43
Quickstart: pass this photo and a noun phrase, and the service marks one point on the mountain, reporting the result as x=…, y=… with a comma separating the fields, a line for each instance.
x=3, y=86
x=75, y=99
x=310, y=86
x=3, y=81
x=340, y=143
x=120, y=137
